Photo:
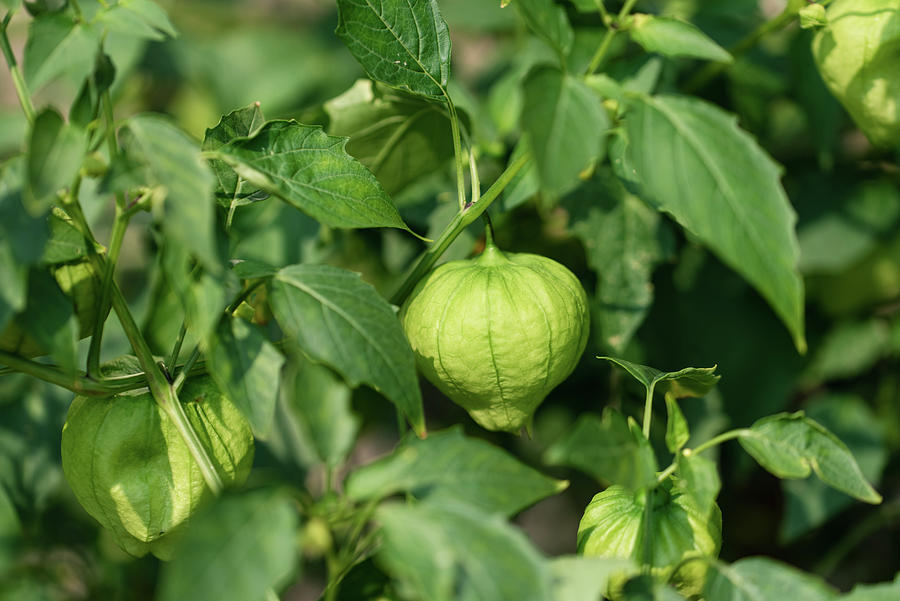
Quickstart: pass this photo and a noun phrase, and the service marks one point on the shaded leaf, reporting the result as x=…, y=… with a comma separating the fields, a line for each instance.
x=687, y=382
x=672, y=37
x=549, y=21
x=50, y=319
x=566, y=126
x=677, y=432
x=231, y=190
x=403, y=44
x=399, y=137
x=579, y=578
x=253, y=540
x=449, y=465
x=246, y=366
x=763, y=579
x=793, y=446
x=312, y=171
x=886, y=591
x=448, y=551
x=607, y=449
x=137, y=18
x=690, y=158
x=337, y=318
x=699, y=478
x=58, y=45
x=55, y=152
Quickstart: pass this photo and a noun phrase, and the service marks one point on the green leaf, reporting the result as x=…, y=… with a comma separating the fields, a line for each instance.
x=578, y=578
x=137, y=18
x=246, y=367
x=55, y=152
x=645, y=588
x=337, y=318
x=232, y=191
x=449, y=465
x=403, y=44
x=763, y=579
x=886, y=591
x=849, y=349
x=625, y=240
x=687, y=382
x=677, y=432
x=810, y=503
x=166, y=157
x=199, y=293
x=26, y=234
x=673, y=37
x=548, y=20
x=317, y=413
x=50, y=320
x=793, y=446
x=254, y=541
x=399, y=137
x=14, y=292
x=692, y=160
x=607, y=449
x=66, y=243
x=449, y=551
x=566, y=126
x=58, y=45
x=698, y=478
x=312, y=171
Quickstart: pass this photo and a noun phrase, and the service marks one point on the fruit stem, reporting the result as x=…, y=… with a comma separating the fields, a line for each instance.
x=488, y=231
x=15, y=72
x=716, y=440
x=76, y=383
x=606, y=42
x=120, y=225
x=648, y=410
x=459, y=222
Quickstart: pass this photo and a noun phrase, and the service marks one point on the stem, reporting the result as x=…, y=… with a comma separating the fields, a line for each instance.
x=15, y=72
x=711, y=70
x=647, y=546
x=488, y=230
x=120, y=225
x=183, y=374
x=606, y=42
x=648, y=410
x=176, y=350
x=457, y=153
x=668, y=471
x=83, y=385
x=460, y=222
x=716, y=440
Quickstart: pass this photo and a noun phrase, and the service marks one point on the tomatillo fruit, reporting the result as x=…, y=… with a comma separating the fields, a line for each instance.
x=497, y=333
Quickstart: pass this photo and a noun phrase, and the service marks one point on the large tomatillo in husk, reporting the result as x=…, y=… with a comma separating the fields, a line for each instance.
x=858, y=55
x=497, y=333
x=132, y=471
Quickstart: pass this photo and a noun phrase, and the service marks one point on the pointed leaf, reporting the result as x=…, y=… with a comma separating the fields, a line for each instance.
x=549, y=21
x=338, y=319
x=673, y=37
x=58, y=45
x=404, y=44
x=566, y=125
x=578, y=578
x=246, y=367
x=162, y=155
x=693, y=162
x=607, y=449
x=687, y=382
x=312, y=171
x=253, y=540
x=449, y=551
x=792, y=446
x=137, y=18
x=231, y=190
x=50, y=320
x=677, y=432
x=449, y=465
x=699, y=478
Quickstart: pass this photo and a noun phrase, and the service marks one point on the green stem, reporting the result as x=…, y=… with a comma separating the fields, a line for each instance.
x=79, y=384
x=183, y=374
x=459, y=222
x=15, y=72
x=717, y=440
x=711, y=70
x=648, y=410
x=647, y=545
x=457, y=153
x=176, y=349
x=120, y=225
x=667, y=472
x=606, y=42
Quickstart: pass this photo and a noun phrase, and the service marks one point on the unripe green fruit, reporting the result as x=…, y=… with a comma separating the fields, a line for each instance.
x=613, y=526
x=131, y=470
x=497, y=333
x=80, y=283
x=858, y=55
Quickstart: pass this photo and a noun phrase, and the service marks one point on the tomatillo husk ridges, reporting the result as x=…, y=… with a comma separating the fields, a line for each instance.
x=131, y=470
x=613, y=525
x=497, y=333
